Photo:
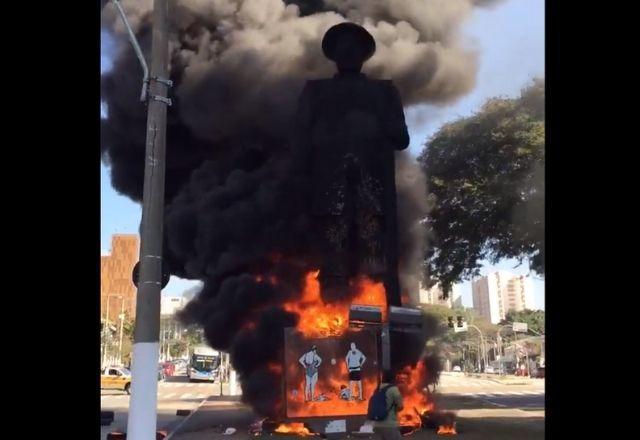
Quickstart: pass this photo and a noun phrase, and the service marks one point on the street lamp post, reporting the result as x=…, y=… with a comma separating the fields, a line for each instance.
x=121, y=332
x=484, y=351
x=141, y=423
x=106, y=326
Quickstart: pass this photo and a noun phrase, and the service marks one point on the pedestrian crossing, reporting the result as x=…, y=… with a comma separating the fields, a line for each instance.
x=455, y=381
x=169, y=391
x=161, y=396
x=477, y=383
x=501, y=393
x=184, y=385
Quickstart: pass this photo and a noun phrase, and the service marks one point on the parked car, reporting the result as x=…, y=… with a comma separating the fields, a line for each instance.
x=115, y=378
x=490, y=370
x=457, y=369
x=540, y=372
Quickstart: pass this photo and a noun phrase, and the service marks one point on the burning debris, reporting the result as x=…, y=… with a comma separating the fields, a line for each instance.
x=443, y=422
x=294, y=428
x=447, y=429
x=236, y=206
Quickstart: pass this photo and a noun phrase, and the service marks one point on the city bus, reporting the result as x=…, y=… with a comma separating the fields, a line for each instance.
x=204, y=364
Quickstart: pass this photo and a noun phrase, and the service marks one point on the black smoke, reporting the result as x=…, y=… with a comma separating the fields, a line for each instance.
x=234, y=206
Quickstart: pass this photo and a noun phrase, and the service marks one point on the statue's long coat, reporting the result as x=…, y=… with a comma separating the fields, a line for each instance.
x=352, y=125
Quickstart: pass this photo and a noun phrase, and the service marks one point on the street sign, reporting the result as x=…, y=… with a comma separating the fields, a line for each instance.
x=520, y=327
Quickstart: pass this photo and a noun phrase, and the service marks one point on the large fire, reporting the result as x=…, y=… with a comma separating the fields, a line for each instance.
x=411, y=384
x=320, y=320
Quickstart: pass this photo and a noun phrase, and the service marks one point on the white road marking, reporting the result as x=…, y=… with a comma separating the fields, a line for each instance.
x=185, y=396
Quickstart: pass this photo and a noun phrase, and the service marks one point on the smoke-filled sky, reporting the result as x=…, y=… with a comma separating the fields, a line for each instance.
x=509, y=39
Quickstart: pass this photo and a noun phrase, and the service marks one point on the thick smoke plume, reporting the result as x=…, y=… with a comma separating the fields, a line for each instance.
x=235, y=213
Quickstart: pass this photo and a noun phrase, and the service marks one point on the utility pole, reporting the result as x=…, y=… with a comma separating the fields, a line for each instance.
x=106, y=334
x=142, y=420
x=484, y=350
x=121, y=330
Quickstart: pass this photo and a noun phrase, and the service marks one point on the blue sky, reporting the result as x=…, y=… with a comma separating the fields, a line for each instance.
x=509, y=38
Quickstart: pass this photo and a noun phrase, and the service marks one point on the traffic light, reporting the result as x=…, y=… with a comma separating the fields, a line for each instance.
x=459, y=321
x=450, y=319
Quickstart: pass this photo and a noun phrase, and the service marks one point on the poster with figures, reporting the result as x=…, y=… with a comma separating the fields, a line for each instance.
x=330, y=376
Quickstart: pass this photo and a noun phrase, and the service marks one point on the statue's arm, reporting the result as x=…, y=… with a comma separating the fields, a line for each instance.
x=302, y=129
x=395, y=125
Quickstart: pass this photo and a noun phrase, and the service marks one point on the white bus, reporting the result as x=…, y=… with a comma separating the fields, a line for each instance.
x=204, y=364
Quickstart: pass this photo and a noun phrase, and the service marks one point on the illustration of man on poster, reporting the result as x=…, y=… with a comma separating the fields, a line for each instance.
x=310, y=361
x=355, y=359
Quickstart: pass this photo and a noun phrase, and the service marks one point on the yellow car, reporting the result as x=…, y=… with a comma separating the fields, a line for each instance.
x=115, y=378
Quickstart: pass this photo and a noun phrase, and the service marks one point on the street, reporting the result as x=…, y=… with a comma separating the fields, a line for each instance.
x=174, y=393
x=509, y=393
x=486, y=407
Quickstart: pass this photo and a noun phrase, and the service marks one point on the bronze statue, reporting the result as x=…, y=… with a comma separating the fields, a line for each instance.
x=347, y=130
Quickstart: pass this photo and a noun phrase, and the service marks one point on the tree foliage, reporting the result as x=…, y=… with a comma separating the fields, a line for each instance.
x=485, y=177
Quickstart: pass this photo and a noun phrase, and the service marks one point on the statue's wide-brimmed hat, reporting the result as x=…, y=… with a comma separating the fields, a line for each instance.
x=335, y=33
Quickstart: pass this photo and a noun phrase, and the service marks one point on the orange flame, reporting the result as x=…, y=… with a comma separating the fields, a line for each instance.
x=415, y=400
x=447, y=429
x=330, y=389
x=318, y=319
x=293, y=428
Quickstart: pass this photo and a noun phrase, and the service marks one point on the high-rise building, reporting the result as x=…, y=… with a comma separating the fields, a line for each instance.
x=456, y=296
x=169, y=305
x=116, y=285
x=433, y=296
x=171, y=329
x=519, y=293
x=498, y=292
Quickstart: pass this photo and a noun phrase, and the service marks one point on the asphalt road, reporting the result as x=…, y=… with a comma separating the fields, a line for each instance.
x=524, y=393
x=174, y=393
x=516, y=401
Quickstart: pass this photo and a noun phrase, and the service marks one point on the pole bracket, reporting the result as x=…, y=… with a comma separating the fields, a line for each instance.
x=164, y=81
x=162, y=99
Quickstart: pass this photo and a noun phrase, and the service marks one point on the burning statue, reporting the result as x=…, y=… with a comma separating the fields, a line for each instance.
x=347, y=130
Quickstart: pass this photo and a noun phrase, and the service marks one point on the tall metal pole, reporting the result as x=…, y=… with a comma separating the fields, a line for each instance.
x=121, y=330
x=142, y=419
x=515, y=342
x=106, y=342
x=484, y=351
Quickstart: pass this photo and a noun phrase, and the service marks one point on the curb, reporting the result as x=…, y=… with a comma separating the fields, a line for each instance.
x=116, y=435
x=192, y=412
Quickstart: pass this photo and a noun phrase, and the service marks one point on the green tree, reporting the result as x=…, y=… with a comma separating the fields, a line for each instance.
x=485, y=177
x=177, y=348
x=451, y=344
